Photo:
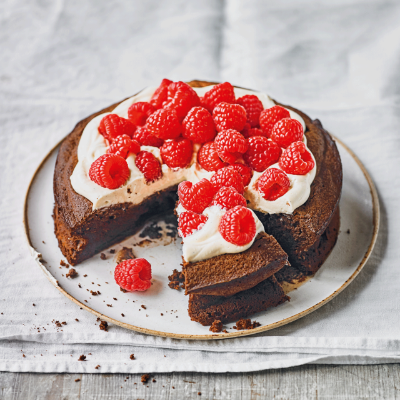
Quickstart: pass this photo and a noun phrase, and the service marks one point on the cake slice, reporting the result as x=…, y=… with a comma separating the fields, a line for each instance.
x=228, y=274
x=206, y=309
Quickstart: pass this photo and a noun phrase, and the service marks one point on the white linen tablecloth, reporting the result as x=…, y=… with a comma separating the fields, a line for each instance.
x=63, y=60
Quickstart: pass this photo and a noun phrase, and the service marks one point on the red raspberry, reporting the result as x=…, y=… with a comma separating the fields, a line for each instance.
x=223, y=92
x=177, y=153
x=189, y=222
x=261, y=153
x=133, y=274
x=181, y=98
x=164, y=124
x=270, y=116
x=196, y=197
x=145, y=138
x=228, y=197
x=286, y=131
x=161, y=94
x=253, y=106
x=122, y=145
x=148, y=165
x=208, y=158
x=230, y=145
x=227, y=176
x=139, y=112
x=273, y=183
x=198, y=126
x=245, y=172
x=229, y=116
x=247, y=131
x=238, y=226
x=109, y=171
x=112, y=126
x=296, y=159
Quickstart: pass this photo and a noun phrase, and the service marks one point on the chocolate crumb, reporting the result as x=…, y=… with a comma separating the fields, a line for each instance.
x=199, y=393
x=77, y=380
x=246, y=324
x=112, y=251
x=122, y=290
x=93, y=293
x=144, y=378
x=154, y=380
x=132, y=356
x=104, y=326
x=82, y=358
x=216, y=326
x=225, y=331
x=176, y=280
x=114, y=298
x=76, y=319
x=103, y=256
x=348, y=231
x=64, y=264
x=123, y=314
x=143, y=306
x=97, y=367
x=79, y=285
x=109, y=305
x=85, y=275
x=34, y=304
x=64, y=323
x=23, y=355
x=72, y=273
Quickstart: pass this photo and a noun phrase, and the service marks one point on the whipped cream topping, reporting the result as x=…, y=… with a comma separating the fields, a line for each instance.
x=207, y=242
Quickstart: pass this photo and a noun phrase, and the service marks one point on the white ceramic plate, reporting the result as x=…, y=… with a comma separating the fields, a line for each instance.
x=166, y=309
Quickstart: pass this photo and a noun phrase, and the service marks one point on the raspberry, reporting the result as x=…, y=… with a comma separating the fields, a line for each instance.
x=112, y=126
x=196, y=197
x=181, y=98
x=164, y=124
x=247, y=131
x=273, y=183
x=223, y=92
x=270, y=116
x=198, y=125
x=296, y=159
x=253, y=106
x=208, y=158
x=230, y=145
x=133, y=274
x=189, y=222
x=139, y=112
x=227, y=176
x=109, y=171
x=238, y=226
x=145, y=138
x=245, y=172
x=160, y=95
x=229, y=116
x=286, y=131
x=228, y=197
x=122, y=145
x=261, y=153
x=148, y=165
x=176, y=153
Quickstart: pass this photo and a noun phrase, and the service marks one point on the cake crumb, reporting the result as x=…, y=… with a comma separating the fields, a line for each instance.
x=77, y=380
x=97, y=367
x=72, y=273
x=348, y=231
x=112, y=251
x=176, y=280
x=216, y=326
x=82, y=358
x=114, y=298
x=144, y=378
x=34, y=305
x=64, y=264
x=246, y=324
x=132, y=357
x=198, y=393
x=85, y=275
x=94, y=293
x=103, y=256
x=143, y=306
x=225, y=331
x=122, y=290
x=76, y=319
x=104, y=326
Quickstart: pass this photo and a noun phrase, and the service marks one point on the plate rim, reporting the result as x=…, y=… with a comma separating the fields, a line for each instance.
x=264, y=328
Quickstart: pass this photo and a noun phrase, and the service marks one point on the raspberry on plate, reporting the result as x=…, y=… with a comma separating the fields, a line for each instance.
x=228, y=197
x=160, y=95
x=123, y=145
x=145, y=138
x=196, y=197
x=223, y=92
x=296, y=159
x=273, y=183
x=112, y=126
x=261, y=153
x=109, y=171
x=139, y=112
x=248, y=131
x=177, y=153
x=164, y=124
x=181, y=98
x=230, y=145
x=245, y=172
x=253, y=106
x=189, y=222
x=270, y=116
x=208, y=158
x=227, y=176
x=198, y=126
x=238, y=226
x=148, y=165
x=287, y=131
x=229, y=116
x=133, y=274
